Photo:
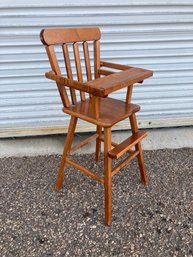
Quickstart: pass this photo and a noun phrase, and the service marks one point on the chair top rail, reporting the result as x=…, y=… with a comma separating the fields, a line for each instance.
x=69, y=35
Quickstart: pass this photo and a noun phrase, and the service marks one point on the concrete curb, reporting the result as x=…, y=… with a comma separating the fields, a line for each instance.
x=47, y=145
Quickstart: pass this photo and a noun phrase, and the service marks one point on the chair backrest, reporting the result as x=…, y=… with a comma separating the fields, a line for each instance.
x=72, y=38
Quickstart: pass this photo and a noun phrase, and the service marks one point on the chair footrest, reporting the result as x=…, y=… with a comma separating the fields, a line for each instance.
x=123, y=147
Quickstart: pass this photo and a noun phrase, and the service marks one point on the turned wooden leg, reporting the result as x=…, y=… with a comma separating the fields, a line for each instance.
x=107, y=176
x=138, y=147
x=98, y=143
x=66, y=150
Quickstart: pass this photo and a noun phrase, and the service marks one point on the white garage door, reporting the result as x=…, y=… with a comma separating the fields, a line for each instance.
x=149, y=34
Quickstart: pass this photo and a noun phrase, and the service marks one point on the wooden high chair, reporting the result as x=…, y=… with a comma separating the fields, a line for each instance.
x=97, y=108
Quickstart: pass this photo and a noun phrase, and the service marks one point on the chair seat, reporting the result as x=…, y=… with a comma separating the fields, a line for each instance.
x=111, y=111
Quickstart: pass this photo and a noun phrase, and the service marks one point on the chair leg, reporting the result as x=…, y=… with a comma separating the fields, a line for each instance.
x=107, y=176
x=98, y=143
x=66, y=150
x=138, y=147
x=141, y=164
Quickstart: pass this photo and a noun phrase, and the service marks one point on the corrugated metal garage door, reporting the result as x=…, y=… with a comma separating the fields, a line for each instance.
x=148, y=34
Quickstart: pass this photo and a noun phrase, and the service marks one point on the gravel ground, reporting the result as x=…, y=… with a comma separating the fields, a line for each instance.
x=154, y=221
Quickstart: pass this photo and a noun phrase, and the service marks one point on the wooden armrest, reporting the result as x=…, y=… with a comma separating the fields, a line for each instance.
x=67, y=82
x=106, y=85
x=115, y=65
x=63, y=81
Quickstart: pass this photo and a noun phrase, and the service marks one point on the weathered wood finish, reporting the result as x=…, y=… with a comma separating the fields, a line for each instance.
x=98, y=109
